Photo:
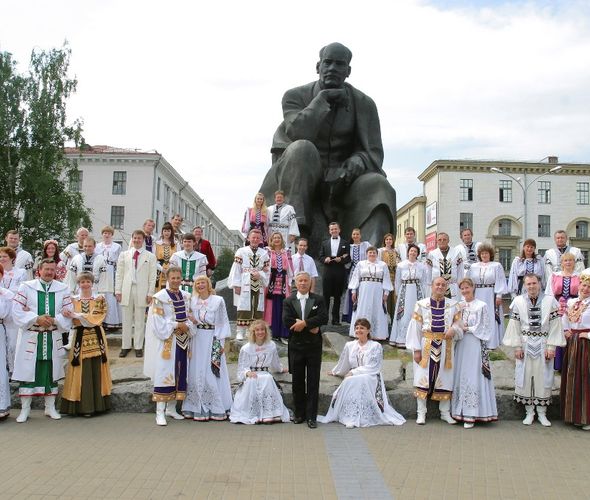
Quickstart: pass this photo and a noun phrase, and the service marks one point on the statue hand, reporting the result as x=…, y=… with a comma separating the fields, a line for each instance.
x=333, y=96
x=354, y=168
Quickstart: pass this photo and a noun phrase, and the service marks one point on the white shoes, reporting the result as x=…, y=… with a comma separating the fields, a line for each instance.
x=161, y=413
x=468, y=425
x=586, y=427
x=530, y=415
x=240, y=334
x=25, y=409
x=171, y=411
x=349, y=426
x=542, y=416
x=446, y=417
x=421, y=419
x=50, y=410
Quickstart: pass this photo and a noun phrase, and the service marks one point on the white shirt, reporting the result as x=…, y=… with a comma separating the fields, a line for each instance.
x=304, y=263
x=302, y=300
x=334, y=245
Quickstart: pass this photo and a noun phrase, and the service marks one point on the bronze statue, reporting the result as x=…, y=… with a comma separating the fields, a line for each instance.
x=327, y=155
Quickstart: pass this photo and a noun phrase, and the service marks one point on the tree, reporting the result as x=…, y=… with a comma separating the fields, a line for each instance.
x=224, y=262
x=36, y=197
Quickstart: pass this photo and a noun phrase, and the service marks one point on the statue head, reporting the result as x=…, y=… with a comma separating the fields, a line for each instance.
x=334, y=65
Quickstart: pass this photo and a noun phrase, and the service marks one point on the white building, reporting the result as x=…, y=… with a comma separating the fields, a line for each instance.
x=506, y=202
x=123, y=187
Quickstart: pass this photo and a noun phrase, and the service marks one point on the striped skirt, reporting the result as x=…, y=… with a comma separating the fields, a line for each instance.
x=575, y=381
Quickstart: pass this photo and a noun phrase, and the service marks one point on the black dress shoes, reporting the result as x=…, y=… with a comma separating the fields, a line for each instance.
x=312, y=424
x=139, y=353
x=298, y=420
x=124, y=353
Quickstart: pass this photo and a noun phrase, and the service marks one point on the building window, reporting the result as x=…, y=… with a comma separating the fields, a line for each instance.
x=166, y=197
x=158, y=185
x=119, y=182
x=505, y=191
x=582, y=193
x=584, y=255
x=544, y=226
x=76, y=177
x=117, y=217
x=466, y=190
x=544, y=192
x=582, y=229
x=399, y=229
x=504, y=227
x=405, y=225
x=465, y=221
x=157, y=220
x=505, y=258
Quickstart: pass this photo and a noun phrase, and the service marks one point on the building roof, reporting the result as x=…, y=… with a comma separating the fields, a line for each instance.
x=416, y=200
x=87, y=149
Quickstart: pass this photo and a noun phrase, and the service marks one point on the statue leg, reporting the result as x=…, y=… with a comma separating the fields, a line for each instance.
x=298, y=173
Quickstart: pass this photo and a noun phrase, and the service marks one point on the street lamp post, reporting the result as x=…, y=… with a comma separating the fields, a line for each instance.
x=525, y=188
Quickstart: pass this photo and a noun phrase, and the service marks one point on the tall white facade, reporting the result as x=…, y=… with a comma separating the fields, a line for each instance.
x=489, y=198
x=125, y=187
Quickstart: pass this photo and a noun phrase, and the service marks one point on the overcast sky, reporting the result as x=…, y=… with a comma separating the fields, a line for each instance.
x=201, y=82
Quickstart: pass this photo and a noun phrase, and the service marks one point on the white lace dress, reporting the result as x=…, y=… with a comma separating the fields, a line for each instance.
x=474, y=396
x=6, y=297
x=360, y=400
x=258, y=399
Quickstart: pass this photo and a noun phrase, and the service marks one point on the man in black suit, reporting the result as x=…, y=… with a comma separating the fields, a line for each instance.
x=335, y=254
x=303, y=314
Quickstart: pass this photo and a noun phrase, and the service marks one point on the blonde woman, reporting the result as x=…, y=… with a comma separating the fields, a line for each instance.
x=256, y=218
x=258, y=398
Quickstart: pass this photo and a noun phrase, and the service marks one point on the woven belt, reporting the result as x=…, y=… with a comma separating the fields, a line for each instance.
x=374, y=280
x=284, y=226
x=205, y=326
x=187, y=282
x=259, y=368
x=430, y=336
x=111, y=262
x=535, y=334
x=41, y=329
x=484, y=285
x=410, y=282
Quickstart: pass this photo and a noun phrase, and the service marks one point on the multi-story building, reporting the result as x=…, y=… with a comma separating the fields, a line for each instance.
x=412, y=214
x=506, y=202
x=123, y=187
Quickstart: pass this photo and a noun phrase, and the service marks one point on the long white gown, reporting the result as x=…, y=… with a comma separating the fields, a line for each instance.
x=258, y=399
x=371, y=279
x=474, y=396
x=111, y=255
x=360, y=400
x=6, y=297
x=411, y=281
x=207, y=395
x=522, y=267
x=490, y=282
x=11, y=281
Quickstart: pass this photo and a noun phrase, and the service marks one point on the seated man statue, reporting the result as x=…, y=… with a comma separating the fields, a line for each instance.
x=328, y=155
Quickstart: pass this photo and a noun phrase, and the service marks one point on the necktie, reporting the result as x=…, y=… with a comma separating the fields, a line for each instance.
x=301, y=263
x=135, y=257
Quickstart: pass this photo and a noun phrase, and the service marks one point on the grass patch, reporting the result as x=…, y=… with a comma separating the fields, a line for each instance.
x=401, y=354
x=497, y=356
x=330, y=356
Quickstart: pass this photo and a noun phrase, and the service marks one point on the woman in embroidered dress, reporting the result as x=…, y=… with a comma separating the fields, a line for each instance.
x=575, y=370
x=388, y=254
x=165, y=248
x=208, y=395
x=110, y=251
x=258, y=398
x=281, y=276
x=256, y=218
x=87, y=387
x=360, y=400
x=6, y=297
x=51, y=251
x=474, y=396
x=528, y=263
x=411, y=281
x=370, y=285
x=563, y=285
x=490, y=285
x=358, y=252
x=11, y=280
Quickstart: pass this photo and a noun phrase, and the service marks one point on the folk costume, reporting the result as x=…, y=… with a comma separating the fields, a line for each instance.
x=192, y=265
x=167, y=350
x=371, y=282
x=391, y=258
x=209, y=392
x=250, y=300
x=358, y=252
x=534, y=327
x=70, y=252
x=254, y=218
x=282, y=219
x=24, y=260
x=94, y=264
x=6, y=297
x=279, y=287
x=39, y=357
x=164, y=253
x=490, y=283
x=449, y=265
x=110, y=253
x=361, y=400
x=11, y=281
x=553, y=260
x=87, y=388
x=469, y=254
x=433, y=376
x=474, y=396
x=61, y=270
x=204, y=246
x=521, y=268
x=575, y=372
x=411, y=283
x=402, y=251
x=258, y=399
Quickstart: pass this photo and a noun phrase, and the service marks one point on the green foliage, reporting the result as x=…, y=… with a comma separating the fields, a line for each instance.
x=36, y=198
x=224, y=263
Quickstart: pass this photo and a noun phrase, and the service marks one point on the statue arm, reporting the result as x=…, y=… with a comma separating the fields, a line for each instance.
x=369, y=148
x=303, y=120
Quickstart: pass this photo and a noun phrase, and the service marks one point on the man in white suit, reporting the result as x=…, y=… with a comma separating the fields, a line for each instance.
x=135, y=281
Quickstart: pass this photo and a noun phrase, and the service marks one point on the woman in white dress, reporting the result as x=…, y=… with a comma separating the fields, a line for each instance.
x=208, y=395
x=529, y=262
x=6, y=297
x=110, y=250
x=360, y=400
x=411, y=282
x=258, y=398
x=490, y=285
x=358, y=252
x=474, y=396
x=371, y=285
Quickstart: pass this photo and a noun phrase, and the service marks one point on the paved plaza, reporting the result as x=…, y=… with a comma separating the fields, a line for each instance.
x=127, y=456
